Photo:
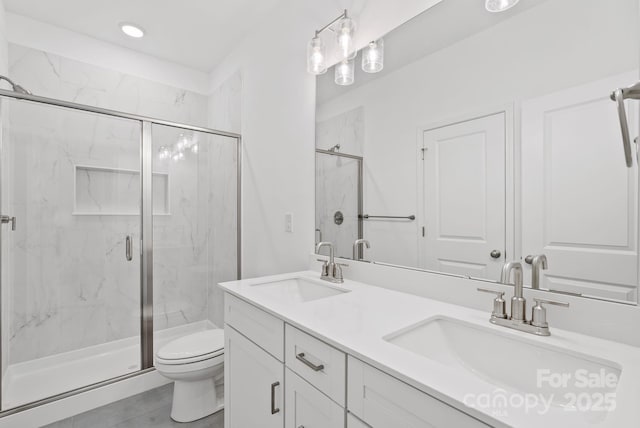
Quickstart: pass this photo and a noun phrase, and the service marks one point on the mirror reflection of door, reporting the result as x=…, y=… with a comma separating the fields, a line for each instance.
x=579, y=202
x=464, y=197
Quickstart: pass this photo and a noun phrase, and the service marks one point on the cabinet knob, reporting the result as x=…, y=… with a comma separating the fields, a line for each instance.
x=496, y=254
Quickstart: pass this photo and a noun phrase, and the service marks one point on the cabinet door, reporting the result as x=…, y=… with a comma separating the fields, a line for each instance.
x=254, y=382
x=309, y=408
x=383, y=401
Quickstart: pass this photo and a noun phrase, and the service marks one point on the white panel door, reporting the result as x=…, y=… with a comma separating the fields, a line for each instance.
x=579, y=200
x=464, y=197
x=254, y=382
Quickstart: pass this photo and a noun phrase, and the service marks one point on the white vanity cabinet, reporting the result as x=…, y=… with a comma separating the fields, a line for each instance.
x=254, y=384
x=253, y=367
x=381, y=401
x=277, y=376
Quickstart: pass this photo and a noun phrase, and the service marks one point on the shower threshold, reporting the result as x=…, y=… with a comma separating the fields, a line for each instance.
x=45, y=377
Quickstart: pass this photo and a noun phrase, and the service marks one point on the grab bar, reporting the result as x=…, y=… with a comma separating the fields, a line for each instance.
x=367, y=216
x=619, y=95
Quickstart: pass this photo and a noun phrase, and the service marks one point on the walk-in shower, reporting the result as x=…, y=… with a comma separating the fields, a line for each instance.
x=339, y=199
x=124, y=226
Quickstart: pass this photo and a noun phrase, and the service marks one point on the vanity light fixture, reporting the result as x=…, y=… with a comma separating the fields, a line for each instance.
x=316, y=56
x=345, y=71
x=132, y=30
x=373, y=57
x=345, y=29
x=345, y=33
x=499, y=5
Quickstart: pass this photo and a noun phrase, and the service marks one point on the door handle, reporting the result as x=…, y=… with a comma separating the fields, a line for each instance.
x=274, y=409
x=127, y=248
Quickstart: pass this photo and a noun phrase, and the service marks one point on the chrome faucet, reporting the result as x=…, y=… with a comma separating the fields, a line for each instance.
x=539, y=262
x=331, y=271
x=518, y=320
x=357, y=243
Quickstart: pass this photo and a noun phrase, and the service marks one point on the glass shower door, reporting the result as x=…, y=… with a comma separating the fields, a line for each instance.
x=338, y=200
x=70, y=262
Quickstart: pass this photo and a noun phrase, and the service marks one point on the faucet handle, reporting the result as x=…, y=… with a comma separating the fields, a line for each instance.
x=499, y=306
x=551, y=302
x=325, y=268
x=539, y=312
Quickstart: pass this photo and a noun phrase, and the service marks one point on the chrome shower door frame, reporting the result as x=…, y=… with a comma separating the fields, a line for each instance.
x=146, y=228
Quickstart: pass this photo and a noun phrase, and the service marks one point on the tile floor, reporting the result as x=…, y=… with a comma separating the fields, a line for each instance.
x=149, y=409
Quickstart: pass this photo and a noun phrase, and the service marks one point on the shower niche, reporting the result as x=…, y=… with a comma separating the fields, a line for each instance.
x=116, y=191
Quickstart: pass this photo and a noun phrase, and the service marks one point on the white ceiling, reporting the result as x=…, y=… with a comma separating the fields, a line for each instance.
x=194, y=33
x=438, y=27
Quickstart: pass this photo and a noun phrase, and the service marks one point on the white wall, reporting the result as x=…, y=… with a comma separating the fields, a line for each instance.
x=531, y=54
x=278, y=122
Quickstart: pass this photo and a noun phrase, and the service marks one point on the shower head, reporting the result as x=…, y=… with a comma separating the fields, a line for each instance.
x=19, y=89
x=15, y=87
x=335, y=148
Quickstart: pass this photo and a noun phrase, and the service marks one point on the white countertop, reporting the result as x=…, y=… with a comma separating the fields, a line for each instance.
x=356, y=323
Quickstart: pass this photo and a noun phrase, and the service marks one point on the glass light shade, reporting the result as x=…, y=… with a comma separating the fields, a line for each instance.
x=316, y=56
x=373, y=57
x=345, y=34
x=345, y=72
x=499, y=5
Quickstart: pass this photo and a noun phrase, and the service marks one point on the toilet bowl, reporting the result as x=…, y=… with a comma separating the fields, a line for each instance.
x=196, y=364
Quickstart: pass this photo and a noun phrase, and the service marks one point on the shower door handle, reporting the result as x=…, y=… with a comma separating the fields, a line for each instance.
x=8, y=219
x=127, y=248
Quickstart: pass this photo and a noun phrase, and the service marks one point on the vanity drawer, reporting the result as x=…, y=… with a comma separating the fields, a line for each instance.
x=321, y=365
x=381, y=401
x=261, y=328
x=307, y=407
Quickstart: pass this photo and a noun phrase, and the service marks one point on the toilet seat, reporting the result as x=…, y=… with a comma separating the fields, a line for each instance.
x=197, y=347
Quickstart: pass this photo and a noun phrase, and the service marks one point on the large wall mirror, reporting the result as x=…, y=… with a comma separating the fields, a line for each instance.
x=490, y=137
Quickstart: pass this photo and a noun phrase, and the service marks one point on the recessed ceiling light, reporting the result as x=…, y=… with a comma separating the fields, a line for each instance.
x=132, y=30
x=500, y=5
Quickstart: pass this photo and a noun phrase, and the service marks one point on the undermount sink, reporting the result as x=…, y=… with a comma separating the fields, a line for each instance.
x=299, y=290
x=508, y=362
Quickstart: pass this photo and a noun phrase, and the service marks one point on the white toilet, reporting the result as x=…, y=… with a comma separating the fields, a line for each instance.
x=196, y=364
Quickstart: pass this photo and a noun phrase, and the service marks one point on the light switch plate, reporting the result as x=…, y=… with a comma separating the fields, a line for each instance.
x=288, y=222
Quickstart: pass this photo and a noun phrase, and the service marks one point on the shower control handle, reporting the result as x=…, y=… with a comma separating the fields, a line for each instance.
x=127, y=248
x=8, y=219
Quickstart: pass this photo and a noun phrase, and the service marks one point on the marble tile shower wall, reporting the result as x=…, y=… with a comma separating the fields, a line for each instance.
x=224, y=113
x=70, y=286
